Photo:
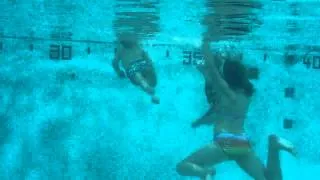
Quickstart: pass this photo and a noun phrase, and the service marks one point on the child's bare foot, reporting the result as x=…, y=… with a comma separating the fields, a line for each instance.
x=207, y=177
x=155, y=100
x=210, y=173
x=282, y=144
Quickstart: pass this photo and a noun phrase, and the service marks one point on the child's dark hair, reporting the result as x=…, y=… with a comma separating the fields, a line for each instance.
x=126, y=43
x=235, y=74
x=128, y=40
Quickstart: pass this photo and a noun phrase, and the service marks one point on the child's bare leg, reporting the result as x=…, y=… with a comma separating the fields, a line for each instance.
x=276, y=144
x=151, y=78
x=252, y=165
x=196, y=164
x=144, y=84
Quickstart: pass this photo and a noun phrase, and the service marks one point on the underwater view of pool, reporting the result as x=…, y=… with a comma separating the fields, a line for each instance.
x=66, y=114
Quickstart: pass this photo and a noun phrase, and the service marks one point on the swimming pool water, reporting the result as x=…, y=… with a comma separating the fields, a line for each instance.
x=65, y=115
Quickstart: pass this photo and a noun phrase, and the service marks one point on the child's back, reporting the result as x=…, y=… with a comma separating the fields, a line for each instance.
x=137, y=65
x=129, y=54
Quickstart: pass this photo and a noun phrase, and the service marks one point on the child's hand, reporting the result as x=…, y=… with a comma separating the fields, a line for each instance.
x=121, y=74
x=195, y=124
x=206, y=37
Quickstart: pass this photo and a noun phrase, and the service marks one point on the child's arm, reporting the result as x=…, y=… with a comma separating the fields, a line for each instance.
x=115, y=64
x=214, y=72
x=206, y=119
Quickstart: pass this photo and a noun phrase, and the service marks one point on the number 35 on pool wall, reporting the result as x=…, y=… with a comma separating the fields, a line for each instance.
x=192, y=58
x=312, y=61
